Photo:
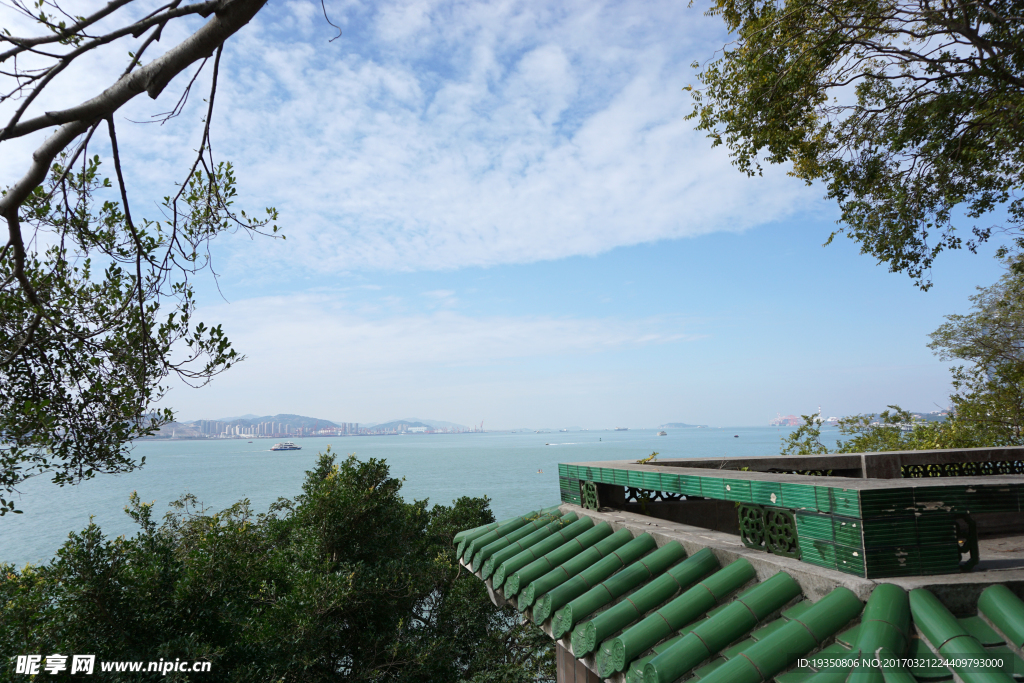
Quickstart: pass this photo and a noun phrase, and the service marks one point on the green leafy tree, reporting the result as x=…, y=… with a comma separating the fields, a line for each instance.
x=989, y=391
x=345, y=582
x=891, y=430
x=96, y=301
x=896, y=429
x=908, y=112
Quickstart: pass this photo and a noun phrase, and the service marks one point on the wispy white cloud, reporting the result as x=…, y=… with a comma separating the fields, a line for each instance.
x=307, y=326
x=311, y=353
x=438, y=135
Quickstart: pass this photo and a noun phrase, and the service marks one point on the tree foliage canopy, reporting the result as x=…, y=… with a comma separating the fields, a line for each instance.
x=893, y=429
x=909, y=112
x=989, y=390
x=97, y=302
x=345, y=582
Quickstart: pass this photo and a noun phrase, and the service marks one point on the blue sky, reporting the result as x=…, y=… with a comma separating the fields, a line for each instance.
x=497, y=211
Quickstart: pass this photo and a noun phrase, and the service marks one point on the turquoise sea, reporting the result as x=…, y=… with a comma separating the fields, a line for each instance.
x=439, y=467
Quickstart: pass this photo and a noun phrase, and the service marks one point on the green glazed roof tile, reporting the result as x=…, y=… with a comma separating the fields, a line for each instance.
x=737, y=490
x=799, y=497
x=995, y=499
x=798, y=609
x=846, y=502
x=1012, y=663
x=712, y=488
x=739, y=647
x=823, y=498
x=820, y=553
x=886, y=502
x=848, y=531
x=797, y=675
x=766, y=631
x=709, y=667
x=716, y=610
x=850, y=560
x=651, y=481
x=815, y=526
x=931, y=669
x=946, y=498
x=670, y=483
x=836, y=649
x=977, y=627
x=689, y=627
x=849, y=636
x=738, y=631
x=766, y=492
x=689, y=485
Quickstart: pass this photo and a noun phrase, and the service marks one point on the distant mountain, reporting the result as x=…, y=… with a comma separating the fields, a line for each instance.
x=410, y=424
x=433, y=424
x=678, y=425
x=288, y=423
x=399, y=426
x=298, y=420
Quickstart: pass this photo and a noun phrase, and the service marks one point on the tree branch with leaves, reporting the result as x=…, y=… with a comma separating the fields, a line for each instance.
x=97, y=304
x=909, y=112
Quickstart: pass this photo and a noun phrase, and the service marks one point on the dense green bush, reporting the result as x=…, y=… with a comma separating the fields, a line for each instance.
x=345, y=582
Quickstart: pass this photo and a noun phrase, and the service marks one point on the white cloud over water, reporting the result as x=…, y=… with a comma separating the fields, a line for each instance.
x=311, y=353
x=441, y=135
x=295, y=329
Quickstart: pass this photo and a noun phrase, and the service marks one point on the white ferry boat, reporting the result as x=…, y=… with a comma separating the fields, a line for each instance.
x=286, y=446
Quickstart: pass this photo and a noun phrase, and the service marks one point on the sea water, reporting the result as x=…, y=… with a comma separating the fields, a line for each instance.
x=517, y=471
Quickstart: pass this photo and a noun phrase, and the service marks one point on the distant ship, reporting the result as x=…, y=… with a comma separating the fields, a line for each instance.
x=622, y=429
x=286, y=446
x=662, y=433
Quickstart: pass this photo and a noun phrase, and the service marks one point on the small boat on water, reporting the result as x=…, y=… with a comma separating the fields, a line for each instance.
x=662, y=433
x=286, y=446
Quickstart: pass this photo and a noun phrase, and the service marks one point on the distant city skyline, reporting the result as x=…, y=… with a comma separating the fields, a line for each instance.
x=266, y=427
